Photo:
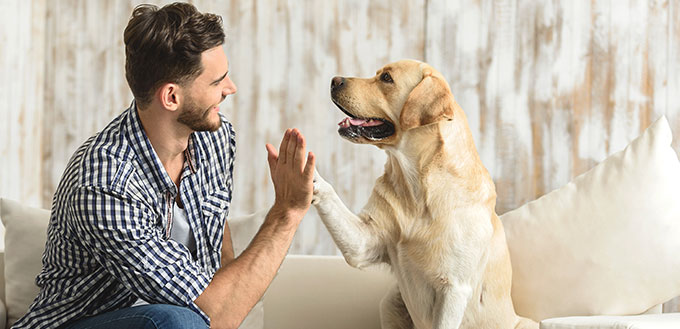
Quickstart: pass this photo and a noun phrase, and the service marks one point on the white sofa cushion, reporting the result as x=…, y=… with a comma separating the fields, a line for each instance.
x=25, y=234
x=606, y=243
x=654, y=321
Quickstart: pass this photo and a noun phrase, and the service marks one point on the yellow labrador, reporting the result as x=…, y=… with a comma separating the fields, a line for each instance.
x=431, y=215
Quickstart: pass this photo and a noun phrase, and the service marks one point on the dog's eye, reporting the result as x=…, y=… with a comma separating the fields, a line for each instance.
x=386, y=77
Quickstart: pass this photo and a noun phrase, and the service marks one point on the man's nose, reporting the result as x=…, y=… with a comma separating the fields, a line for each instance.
x=229, y=88
x=337, y=83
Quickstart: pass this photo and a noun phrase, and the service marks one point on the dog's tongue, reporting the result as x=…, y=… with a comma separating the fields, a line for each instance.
x=371, y=123
x=356, y=122
x=359, y=122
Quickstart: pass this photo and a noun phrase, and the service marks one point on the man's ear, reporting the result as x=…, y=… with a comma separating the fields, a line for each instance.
x=429, y=102
x=170, y=96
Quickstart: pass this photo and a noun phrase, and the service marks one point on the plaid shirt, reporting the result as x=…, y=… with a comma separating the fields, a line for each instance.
x=108, y=237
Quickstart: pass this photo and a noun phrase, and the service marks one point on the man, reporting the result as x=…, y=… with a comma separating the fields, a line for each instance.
x=139, y=217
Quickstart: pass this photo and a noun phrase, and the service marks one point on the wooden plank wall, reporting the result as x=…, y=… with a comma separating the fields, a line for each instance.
x=22, y=78
x=550, y=87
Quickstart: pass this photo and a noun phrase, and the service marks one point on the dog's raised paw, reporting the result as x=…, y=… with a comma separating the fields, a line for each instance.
x=320, y=187
x=316, y=194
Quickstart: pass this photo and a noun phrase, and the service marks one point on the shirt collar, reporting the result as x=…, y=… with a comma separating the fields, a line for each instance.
x=190, y=154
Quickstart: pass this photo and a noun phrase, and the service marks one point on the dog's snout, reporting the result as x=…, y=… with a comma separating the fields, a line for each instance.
x=337, y=83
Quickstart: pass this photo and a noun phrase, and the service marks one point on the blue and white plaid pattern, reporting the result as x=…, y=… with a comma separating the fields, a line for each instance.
x=108, y=237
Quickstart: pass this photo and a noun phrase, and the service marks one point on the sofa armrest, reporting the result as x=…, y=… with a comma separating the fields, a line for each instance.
x=3, y=307
x=658, y=309
x=325, y=292
x=2, y=276
x=3, y=315
x=644, y=321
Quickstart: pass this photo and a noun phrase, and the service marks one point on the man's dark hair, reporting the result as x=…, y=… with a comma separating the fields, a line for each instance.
x=165, y=45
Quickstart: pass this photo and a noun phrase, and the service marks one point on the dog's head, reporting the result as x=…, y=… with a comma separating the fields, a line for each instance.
x=401, y=96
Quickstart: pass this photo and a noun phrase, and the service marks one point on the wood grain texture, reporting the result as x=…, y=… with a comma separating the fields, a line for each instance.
x=85, y=86
x=550, y=87
x=22, y=57
x=553, y=87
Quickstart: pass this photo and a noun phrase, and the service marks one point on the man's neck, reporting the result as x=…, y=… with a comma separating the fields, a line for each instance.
x=168, y=137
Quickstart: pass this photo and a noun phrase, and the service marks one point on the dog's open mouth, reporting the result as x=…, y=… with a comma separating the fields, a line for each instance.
x=374, y=129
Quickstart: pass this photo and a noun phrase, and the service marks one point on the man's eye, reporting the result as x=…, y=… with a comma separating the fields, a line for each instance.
x=386, y=77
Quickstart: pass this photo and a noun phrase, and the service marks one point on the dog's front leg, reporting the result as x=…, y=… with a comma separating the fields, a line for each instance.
x=350, y=233
x=450, y=303
x=462, y=269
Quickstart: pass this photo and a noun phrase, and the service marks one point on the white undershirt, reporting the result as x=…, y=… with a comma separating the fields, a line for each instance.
x=180, y=232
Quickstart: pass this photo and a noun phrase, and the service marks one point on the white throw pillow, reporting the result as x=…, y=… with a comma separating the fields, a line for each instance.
x=25, y=234
x=606, y=243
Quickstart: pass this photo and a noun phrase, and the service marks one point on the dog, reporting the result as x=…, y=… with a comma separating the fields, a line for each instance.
x=431, y=215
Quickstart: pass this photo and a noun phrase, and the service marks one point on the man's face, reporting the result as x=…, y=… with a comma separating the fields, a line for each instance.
x=199, y=111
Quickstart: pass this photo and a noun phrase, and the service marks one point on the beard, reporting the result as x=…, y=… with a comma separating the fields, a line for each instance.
x=197, y=119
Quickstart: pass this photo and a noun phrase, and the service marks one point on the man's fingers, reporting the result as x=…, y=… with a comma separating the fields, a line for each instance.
x=272, y=156
x=284, y=144
x=300, y=152
x=309, y=168
x=271, y=151
x=292, y=145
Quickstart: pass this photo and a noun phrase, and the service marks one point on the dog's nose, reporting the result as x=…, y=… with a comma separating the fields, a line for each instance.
x=337, y=82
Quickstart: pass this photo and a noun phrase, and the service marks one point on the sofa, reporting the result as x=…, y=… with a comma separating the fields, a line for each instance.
x=601, y=252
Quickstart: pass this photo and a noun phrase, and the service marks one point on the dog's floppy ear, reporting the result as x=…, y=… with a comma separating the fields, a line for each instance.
x=429, y=102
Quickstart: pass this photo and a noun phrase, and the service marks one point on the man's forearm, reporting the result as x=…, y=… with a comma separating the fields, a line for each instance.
x=239, y=284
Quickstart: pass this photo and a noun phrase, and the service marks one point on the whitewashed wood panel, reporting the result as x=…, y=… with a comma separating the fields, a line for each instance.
x=85, y=85
x=22, y=58
x=550, y=87
x=553, y=87
x=673, y=66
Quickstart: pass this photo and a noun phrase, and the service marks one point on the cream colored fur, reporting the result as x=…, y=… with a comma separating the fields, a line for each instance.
x=431, y=215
